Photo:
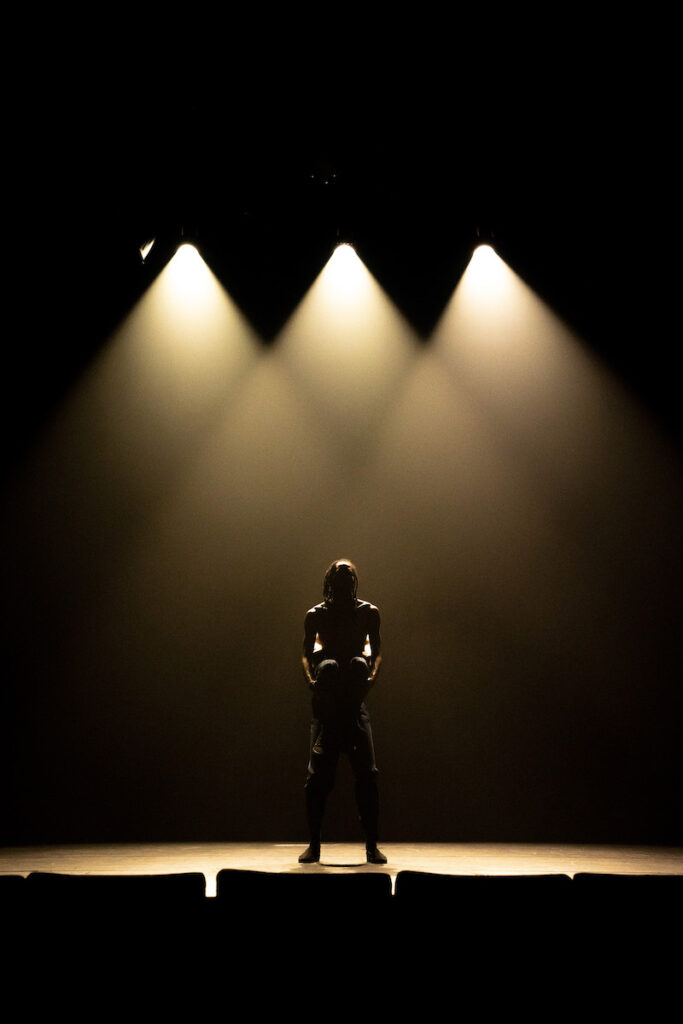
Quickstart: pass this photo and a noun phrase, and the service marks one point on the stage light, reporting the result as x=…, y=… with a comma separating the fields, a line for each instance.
x=348, y=346
x=485, y=255
x=345, y=280
x=487, y=276
x=145, y=249
x=187, y=259
x=189, y=281
x=186, y=311
x=488, y=291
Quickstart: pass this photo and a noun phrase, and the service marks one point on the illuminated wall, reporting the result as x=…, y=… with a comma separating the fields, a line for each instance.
x=510, y=510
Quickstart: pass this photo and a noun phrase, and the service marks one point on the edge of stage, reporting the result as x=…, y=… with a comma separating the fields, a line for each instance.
x=437, y=858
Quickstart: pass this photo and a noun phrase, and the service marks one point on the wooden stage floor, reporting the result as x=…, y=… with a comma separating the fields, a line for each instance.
x=444, y=858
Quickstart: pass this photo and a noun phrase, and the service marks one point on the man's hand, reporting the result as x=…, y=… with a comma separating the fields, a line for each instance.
x=305, y=664
x=375, y=670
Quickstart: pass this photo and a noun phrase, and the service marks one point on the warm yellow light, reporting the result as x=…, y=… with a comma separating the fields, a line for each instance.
x=186, y=325
x=346, y=280
x=188, y=304
x=189, y=280
x=487, y=276
x=347, y=343
x=485, y=256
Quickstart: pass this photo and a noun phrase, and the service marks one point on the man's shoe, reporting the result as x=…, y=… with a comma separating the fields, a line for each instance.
x=375, y=855
x=311, y=855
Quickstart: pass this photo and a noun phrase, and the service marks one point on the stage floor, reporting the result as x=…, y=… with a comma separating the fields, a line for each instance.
x=445, y=858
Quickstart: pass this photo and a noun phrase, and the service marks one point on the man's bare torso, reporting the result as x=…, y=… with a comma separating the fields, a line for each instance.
x=342, y=633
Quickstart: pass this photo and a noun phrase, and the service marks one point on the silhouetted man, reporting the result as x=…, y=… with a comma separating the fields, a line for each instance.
x=341, y=660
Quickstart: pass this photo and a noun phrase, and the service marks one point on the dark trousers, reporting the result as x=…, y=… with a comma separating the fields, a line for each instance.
x=341, y=724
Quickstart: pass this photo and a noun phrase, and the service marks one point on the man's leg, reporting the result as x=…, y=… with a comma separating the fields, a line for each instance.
x=357, y=686
x=317, y=788
x=362, y=758
x=325, y=693
x=323, y=757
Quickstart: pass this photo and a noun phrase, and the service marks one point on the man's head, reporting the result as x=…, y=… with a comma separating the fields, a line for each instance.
x=340, y=582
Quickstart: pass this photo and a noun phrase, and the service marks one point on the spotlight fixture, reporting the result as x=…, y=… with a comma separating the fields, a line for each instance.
x=145, y=249
x=188, y=235
x=343, y=238
x=484, y=236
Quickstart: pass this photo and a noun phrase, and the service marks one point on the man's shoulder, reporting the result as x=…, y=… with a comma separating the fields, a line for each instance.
x=367, y=608
x=316, y=610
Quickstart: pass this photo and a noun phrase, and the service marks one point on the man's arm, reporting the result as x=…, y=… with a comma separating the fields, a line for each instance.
x=375, y=645
x=310, y=633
